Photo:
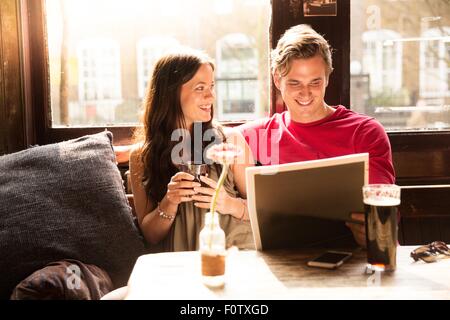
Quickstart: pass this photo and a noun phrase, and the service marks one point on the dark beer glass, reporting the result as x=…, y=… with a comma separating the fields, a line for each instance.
x=196, y=170
x=380, y=202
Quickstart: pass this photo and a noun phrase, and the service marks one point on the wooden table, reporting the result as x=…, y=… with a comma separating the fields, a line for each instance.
x=285, y=275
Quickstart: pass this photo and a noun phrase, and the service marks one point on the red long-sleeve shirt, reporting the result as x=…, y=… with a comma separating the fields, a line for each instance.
x=278, y=140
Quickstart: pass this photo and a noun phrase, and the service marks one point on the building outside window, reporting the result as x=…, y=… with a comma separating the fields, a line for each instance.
x=382, y=60
x=237, y=77
x=99, y=82
x=435, y=64
x=400, y=63
x=148, y=51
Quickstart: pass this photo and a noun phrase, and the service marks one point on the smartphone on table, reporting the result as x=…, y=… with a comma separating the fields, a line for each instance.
x=330, y=259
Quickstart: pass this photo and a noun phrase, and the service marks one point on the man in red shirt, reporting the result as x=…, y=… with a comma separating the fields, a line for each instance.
x=311, y=129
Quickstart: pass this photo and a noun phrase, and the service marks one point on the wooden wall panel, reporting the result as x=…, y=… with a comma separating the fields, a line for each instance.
x=3, y=132
x=410, y=232
x=425, y=214
x=421, y=157
x=426, y=201
x=417, y=231
x=444, y=227
x=11, y=102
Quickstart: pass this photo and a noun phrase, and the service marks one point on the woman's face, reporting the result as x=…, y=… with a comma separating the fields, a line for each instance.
x=197, y=96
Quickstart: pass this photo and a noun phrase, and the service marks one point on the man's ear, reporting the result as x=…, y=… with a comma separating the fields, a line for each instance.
x=328, y=80
x=276, y=79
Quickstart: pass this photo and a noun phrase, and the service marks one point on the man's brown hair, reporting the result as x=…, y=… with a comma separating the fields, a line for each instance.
x=300, y=42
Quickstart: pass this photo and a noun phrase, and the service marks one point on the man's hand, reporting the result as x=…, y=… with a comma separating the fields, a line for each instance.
x=358, y=229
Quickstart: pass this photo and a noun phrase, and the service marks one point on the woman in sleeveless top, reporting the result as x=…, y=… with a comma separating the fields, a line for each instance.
x=178, y=126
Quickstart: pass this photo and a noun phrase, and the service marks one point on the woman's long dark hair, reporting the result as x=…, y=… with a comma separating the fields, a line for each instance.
x=163, y=115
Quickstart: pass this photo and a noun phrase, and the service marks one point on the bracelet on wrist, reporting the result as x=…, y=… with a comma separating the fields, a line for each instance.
x=164, y=215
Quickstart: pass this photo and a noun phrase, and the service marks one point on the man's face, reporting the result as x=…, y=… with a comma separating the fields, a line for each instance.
x=303, y=89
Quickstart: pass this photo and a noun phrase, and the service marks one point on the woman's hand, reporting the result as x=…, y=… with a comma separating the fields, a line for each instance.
x=225, y=203
x=181, y=188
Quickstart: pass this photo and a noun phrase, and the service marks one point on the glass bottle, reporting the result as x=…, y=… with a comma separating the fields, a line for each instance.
x=212, y=250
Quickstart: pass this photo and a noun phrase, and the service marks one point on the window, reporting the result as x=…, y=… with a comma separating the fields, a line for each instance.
x=399, y=65
x=435, y=64
x=99, y=83
x=411, y=107
x=101, y=54
x=148, y=51
x=382, y=60
x=237, y=77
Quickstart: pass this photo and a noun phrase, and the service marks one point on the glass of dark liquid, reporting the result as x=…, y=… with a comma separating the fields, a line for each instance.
x=380, y=202
x=196, y=170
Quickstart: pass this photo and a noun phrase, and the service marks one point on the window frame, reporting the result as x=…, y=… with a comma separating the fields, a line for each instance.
x=225, y=79
x=373, y=41
x=429, y=149
x=144, y=63
x=426, y=69
x=37, y=86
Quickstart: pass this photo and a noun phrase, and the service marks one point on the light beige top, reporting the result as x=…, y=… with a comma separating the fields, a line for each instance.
x=184, y=234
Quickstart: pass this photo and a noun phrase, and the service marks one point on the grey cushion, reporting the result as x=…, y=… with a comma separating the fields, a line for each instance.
x=65, y=201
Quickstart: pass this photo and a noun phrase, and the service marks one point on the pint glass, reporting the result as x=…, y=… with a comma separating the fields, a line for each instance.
x=380, y=202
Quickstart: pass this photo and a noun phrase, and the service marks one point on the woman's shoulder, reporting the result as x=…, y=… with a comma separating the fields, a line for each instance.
x=135, y=154
x=232, y=133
